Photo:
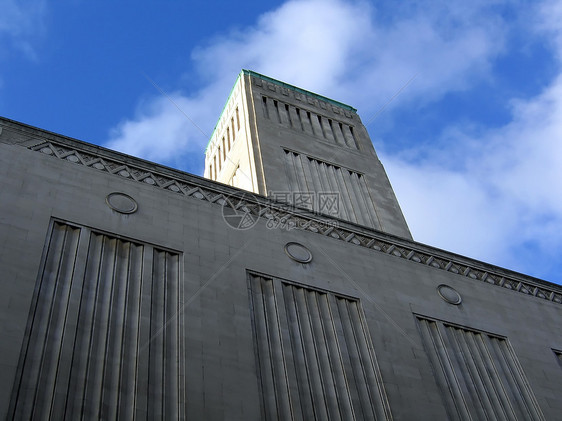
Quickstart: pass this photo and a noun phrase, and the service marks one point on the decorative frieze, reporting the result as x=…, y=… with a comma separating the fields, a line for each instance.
x=260, y=207
x=269, y=85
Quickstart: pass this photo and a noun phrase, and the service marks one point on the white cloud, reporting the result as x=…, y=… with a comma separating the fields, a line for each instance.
x=20, y=22
x=547, y=21
x=496, y=199
x=332, y=47
x=502, y=198
x=160, y=132
x=450, y=210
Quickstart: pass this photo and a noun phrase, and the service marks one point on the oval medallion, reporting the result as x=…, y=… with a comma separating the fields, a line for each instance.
x=449, y=294
x=298, y=252
x=121, y=202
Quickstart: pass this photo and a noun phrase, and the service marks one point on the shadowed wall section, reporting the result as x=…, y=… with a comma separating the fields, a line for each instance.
x=103, y=332
x=558, y=355
x=316, y=360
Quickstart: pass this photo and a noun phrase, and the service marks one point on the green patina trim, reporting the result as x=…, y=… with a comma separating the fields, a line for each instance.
x=302, y=91
x=283, y=85
x=223, y=110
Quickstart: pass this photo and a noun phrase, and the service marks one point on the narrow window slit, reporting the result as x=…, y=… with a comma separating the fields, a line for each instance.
x=276, y=105
x=265, y=110
x=352, y=133
x=300, y=118
x=353, y=141
x=288, y=115
x=320, y=123
x=310, y=121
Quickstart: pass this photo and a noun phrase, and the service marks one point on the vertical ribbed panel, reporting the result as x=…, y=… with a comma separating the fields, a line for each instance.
x=338, y=133
x=311, y=175
x=284, y=115
x=479, y=374
x=105, y=312
x=316, y=125
x=163, y=346
x=45, y=327
x=315, y=357
x=323, y=128
x=295, y=118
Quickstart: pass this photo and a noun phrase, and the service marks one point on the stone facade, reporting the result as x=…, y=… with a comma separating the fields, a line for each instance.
x=281, y=141
x=130, y=290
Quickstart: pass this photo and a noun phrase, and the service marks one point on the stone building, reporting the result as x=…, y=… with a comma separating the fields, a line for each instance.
x=283, y=285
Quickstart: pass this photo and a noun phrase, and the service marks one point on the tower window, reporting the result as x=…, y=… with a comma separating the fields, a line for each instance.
x=321, y=126
x=288, y=114
x=265, y=110
x=237, y=118
x=310, y=121
x=276, y=105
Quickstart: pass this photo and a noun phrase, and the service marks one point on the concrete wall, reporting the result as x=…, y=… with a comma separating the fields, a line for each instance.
x=216, y=370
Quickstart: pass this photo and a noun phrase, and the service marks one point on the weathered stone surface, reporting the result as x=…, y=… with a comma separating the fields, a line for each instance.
x=190, y=333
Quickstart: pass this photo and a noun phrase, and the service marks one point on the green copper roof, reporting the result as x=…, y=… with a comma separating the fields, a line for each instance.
x=283, y=85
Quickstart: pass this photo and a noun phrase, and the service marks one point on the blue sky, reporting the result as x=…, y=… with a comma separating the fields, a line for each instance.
x=472, y=145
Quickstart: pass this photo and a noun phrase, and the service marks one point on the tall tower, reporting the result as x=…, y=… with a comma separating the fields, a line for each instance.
x=278, y=140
